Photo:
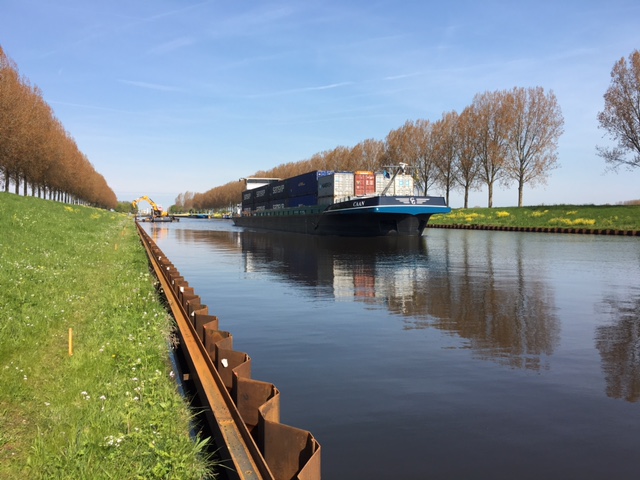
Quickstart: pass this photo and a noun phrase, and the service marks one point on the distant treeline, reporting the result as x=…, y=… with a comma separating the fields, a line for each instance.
x=37, y=152
x=504, y=137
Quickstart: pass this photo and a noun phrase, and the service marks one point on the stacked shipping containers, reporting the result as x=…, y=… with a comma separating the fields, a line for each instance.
x=322, y=187
x=301, y=190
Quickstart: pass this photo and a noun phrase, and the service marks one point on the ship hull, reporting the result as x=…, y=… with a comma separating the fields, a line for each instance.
x=361, y=217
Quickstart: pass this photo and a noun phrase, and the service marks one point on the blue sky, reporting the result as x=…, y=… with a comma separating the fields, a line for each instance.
x=166, y=96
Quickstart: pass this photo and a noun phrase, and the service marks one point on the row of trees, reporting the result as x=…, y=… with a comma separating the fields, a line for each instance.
x=37, y=152
x=503, y=137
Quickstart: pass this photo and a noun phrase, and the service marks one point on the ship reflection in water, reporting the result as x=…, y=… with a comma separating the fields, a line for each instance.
x=507, y=318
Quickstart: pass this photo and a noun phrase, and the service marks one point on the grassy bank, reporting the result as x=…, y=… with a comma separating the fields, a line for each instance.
x=110, y=410
x=616, y=217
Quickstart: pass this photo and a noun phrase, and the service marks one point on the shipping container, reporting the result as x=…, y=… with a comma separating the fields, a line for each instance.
x=337, y=184
x=261, y=195
x=402, y=184
x=278, y=204
x=364, y=184
x=302, y=201
x=278, y=190
x=304, y=184
x=247, y=196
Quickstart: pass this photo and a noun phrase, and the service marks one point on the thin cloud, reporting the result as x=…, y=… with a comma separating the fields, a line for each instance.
x=402, y=76
x=303, y=90
x=151, y=86
x=172, y=45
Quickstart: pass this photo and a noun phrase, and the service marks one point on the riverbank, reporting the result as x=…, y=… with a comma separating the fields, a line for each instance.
x=104, y=404
x=605, y=219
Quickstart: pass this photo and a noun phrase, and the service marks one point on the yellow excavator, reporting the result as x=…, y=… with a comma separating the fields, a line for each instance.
x=157, y=213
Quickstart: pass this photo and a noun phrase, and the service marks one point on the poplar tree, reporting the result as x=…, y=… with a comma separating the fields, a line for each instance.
x=535, y=125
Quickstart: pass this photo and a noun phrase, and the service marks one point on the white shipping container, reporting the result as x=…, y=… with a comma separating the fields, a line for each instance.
x=402, y=185
x=330, y=199
x=338, y=184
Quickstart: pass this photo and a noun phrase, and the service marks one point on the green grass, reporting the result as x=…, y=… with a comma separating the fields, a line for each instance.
x=110, y=410
x=619, y=217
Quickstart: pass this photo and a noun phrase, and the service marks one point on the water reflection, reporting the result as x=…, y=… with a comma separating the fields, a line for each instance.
x=483, y=290
x=619, y=347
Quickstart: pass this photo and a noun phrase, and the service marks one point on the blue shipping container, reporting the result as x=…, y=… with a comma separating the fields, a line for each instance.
x=305, y=184
x=302, y=201
x=261, y=195
x=247, y=198
x=278, y=190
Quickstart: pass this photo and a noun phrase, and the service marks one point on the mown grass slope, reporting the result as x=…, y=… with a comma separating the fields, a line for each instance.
x=110, y=410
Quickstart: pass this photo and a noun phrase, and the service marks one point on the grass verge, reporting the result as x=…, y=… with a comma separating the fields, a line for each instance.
x=605, y=217
x=110, y=410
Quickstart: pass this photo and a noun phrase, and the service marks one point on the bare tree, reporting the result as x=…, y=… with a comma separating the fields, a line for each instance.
x=467, y=165
x=426, y=173
x=401, y=144
x=490, y=137
x=534, y=129
x=621, y=116
x=369, y=154
x=444, y=138
x=414, y=144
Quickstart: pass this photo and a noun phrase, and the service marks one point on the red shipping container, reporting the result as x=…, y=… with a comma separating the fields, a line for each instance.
x=365, y=183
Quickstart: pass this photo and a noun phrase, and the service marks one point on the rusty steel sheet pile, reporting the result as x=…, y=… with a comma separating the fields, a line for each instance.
x=242, y=413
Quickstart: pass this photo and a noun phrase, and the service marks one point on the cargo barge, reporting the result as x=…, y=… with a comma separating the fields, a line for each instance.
x=360, y=204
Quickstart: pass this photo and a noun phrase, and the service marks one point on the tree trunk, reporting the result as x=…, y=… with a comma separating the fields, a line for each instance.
x=490, y=185
x=520, y=190
x=466, y=197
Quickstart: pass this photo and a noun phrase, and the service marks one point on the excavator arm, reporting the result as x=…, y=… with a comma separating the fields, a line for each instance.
x=157, y=209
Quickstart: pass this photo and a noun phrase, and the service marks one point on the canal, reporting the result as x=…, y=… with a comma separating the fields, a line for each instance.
x=461, y=354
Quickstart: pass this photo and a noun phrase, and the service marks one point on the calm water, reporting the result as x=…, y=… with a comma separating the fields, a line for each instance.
x=462, y=354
